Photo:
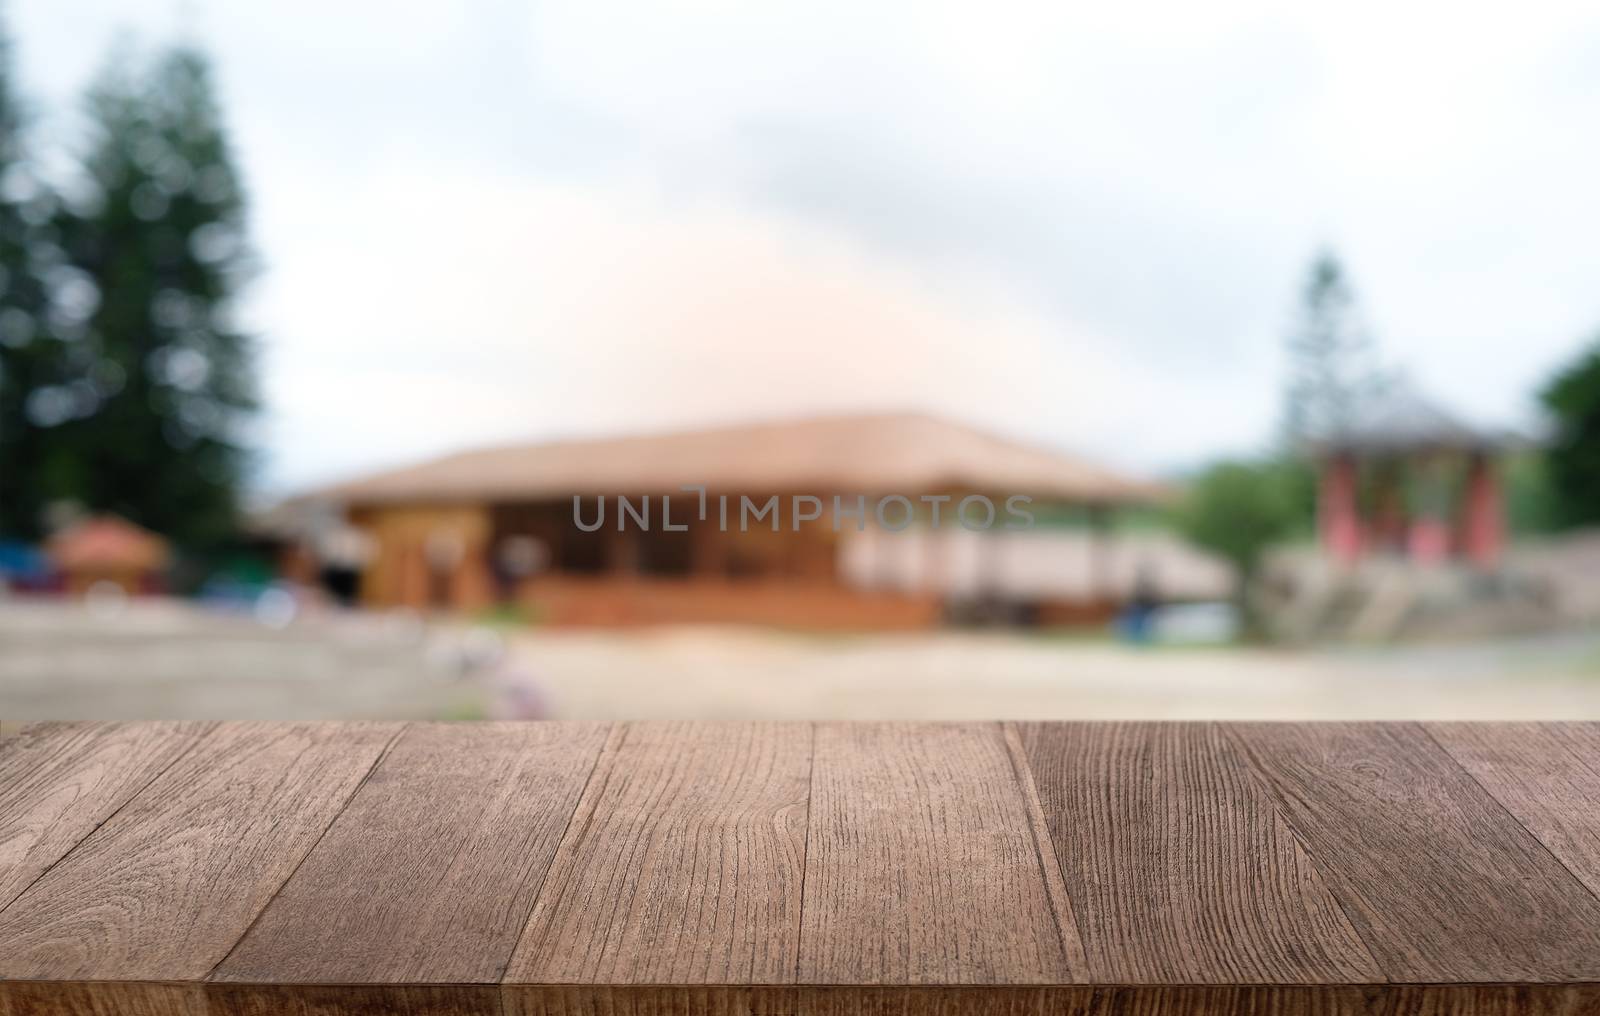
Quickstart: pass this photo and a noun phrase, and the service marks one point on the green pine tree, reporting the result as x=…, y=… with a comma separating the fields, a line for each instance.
x=1572, y=459
x=1332, y=358
x=158, y=248
x=32, y=359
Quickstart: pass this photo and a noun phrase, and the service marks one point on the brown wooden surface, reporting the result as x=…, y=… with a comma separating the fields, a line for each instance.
x=62, y=781
x=164, y=889
x=1548, y=777
x=1183, y=870
x=683, y=863
x=1437, y=877
x=922, y=867
x=386, y=897
x=731, y=868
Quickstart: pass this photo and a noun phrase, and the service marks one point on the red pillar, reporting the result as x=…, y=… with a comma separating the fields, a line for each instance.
x=1338, y=517
x=1483, y=519
x=1428, y=540
x=1430, y=533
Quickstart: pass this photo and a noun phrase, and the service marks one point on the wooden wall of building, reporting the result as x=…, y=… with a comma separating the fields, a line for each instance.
x=427, y=557
x=565, y=601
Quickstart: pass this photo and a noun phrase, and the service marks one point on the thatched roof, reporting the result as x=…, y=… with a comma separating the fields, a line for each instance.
x=1401, y=419
x=869, y=454
x=108, y=542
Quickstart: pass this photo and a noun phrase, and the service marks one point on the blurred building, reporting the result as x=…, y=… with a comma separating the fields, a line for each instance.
x=1407, y=479
x=1411, y=534
x=108, y=551
x=498, y=525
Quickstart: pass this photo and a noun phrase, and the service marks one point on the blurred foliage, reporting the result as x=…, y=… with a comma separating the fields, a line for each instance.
x=1572, y=459
x=513, y=615
x=1332, y=358
x=1237, y=509
x=31, y=356
x=1531, y=507
x=128, y=384
x=1297, y=481
x=1133, y=518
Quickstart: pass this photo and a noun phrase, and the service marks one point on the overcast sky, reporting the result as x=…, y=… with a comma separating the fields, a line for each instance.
x=1083, y=223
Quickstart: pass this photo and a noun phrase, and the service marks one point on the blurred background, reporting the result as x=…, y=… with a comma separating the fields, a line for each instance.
x=315, y=320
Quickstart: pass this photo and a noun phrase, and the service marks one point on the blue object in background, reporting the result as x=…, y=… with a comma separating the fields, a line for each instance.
x=24, y=566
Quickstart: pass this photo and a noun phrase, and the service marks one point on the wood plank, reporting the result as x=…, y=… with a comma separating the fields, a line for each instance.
x=660, y=870
x=1547, y=775
x=104, y=998
x=430, y=873
x=1440, y=882
x=683, y=863
x=165, y=888
x=59, y=781
x=922, y=866
x=1059, y=1000
x=40, y=998
x=1345, y=1000
x=791, y=1000
x=1180, y=870
x=352, y=1000
x=194, y=998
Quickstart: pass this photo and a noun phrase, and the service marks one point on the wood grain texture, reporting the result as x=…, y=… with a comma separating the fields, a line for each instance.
x=125, y=998
x=921, y=866
x=1058, y=1000
x=806, y=1000
x=106, y=998
x=37, y=998
x=165, y=888
x=1345, y=1000
x=1439, y=880
x=430, y=873
x=59, y=781
x=1181, y=871
x=802, y=870
x=683, y=862
x=352, y=1000
x=1547, y=775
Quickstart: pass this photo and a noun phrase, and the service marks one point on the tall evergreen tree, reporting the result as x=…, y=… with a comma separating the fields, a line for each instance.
x=1572, y=460
x=1332, y=357
x=157, y=252
x=32, y=359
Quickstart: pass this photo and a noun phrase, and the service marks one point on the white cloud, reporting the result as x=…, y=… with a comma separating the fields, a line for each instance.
x=1081, y=221
x=547, y=309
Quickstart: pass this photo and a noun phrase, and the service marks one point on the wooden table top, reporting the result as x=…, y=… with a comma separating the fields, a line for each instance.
x=741, y=868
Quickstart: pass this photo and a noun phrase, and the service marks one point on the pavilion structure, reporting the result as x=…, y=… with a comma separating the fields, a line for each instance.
x=1407, y=480
x=520, y=524
x=106, y=551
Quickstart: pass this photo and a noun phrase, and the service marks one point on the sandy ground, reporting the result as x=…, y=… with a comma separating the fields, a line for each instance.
x=170, y=660
x=166, y=660
x=733, y=674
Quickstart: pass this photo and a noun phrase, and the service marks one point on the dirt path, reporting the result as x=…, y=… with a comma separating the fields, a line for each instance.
x=172, y=660
x=719, y=673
